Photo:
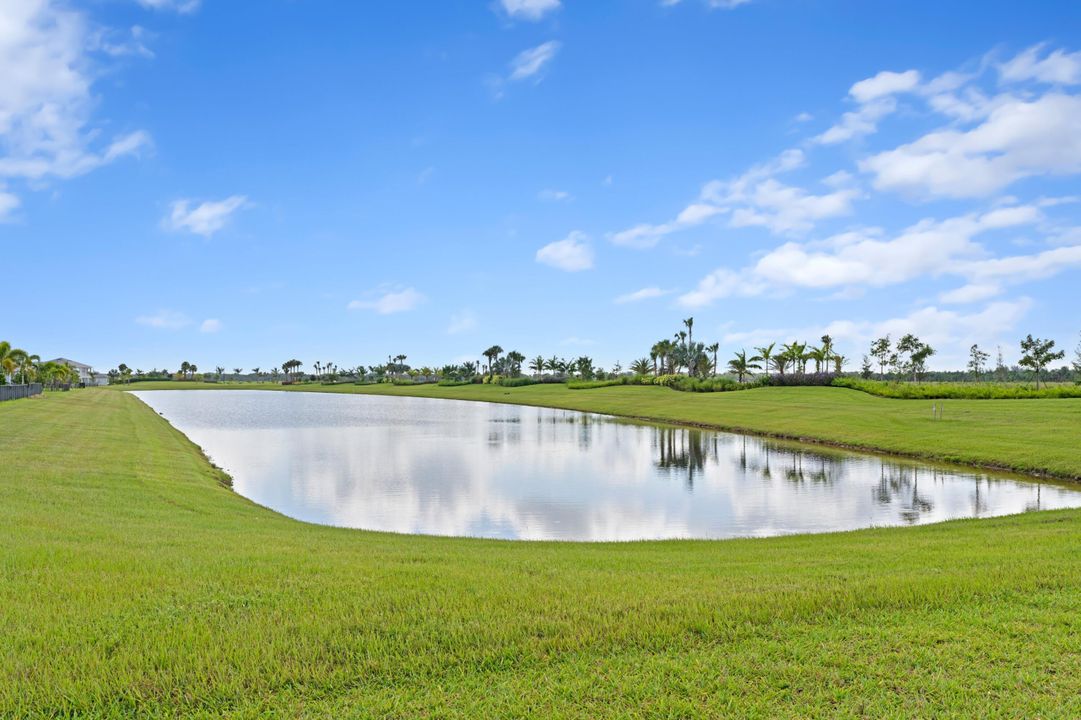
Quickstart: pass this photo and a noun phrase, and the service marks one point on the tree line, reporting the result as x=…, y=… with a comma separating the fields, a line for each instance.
x=790, y=363
x=19, y=367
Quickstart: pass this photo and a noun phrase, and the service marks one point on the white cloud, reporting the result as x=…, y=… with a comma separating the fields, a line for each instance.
x=1024, y=268
x=461, y=322
x=210, y=325
x=46, y=98
x=721, y=283
x=572, y=253
x=949, y=331
x=8, y=204
x=550, y=195
x=804, y=117
x=786, y=209
x=973, y=292
x=165, y=320
x=1056, y=68
x=389, y=302
x=1020, y=138
x=119, y=44
x=866, y=259
x=647, y=293
x=754, y=198
x=860, y=122
x=529, y=9
x=529, y=63
x=712, y=4
x=883, y=84
x=180, y=6
x=875, y=99
x=425, y=175
x=206, y=218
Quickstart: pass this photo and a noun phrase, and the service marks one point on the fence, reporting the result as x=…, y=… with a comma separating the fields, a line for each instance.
x=15, y=392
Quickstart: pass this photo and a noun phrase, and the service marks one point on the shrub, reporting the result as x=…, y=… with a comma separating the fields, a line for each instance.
x=448, y=382
x=516, y=381
x=682, y=383
x=802, y=379
x=593, y=384
x=665, y=380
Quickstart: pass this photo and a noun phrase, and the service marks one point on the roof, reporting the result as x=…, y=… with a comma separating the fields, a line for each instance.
x=71, y=363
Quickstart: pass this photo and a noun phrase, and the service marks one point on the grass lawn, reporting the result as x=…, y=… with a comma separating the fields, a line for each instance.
x=1034, y=436
x=133, y=584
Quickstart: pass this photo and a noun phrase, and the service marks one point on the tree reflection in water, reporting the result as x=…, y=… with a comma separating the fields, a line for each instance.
x=453, y=468
x=685, y=450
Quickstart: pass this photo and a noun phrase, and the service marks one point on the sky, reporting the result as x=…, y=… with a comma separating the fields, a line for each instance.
x=238, y=184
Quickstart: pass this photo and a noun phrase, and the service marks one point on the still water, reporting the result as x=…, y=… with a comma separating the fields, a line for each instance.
x=445, y=467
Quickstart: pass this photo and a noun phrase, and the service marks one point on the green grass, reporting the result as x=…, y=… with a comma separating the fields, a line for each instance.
x=961, y=391
x=1032, y=436
x=132, y=584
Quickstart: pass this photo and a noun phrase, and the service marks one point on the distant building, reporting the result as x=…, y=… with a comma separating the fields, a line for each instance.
x=87, y=375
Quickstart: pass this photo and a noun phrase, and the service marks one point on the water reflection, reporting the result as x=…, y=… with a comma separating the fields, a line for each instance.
x=454, y=468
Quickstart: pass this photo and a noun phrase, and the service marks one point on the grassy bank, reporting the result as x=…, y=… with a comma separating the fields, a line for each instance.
x=133, y=584
x=960, y=390
x=1034, y=436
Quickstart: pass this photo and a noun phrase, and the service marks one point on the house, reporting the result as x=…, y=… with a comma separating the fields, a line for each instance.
x=87, y=376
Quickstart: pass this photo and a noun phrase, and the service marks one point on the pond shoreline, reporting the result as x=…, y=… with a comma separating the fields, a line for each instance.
x=462, y=393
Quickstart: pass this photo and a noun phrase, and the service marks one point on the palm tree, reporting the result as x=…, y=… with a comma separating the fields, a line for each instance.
x=584, y=366
x=255, y=372
x=817, y=356
x=793, y=351
x=642, y=366
x=492, y=354
x=742, y=366
x=839, y=363
x=10, y=359
x=827, y=349
x=765, y=354
x=236, y=373
x=537, y=365
x=713, y=349
x=219, y=370
x=515, y=360
x=689, y=323
x=780, y=362
x=289, y=367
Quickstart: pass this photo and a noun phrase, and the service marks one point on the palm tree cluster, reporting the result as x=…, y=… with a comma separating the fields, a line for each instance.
x=681, y=352
x=19, y=367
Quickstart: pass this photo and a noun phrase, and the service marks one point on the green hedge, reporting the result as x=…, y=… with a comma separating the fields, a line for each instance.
x=675, y=382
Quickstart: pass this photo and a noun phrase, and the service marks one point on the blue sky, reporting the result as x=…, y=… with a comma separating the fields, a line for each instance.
x=238, y=184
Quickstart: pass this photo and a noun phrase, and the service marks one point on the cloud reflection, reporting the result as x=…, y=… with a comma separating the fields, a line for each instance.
x=416, y=465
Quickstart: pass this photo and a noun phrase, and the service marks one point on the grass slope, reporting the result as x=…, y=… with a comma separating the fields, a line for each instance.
x=1033, y=436
x=133, y=584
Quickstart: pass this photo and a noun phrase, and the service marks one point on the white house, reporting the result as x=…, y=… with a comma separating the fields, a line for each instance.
x=87, y=375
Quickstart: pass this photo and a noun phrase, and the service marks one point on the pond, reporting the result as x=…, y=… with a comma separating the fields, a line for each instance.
x=448, y=467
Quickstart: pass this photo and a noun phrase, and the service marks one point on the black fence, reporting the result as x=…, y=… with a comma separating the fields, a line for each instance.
x=16, y=392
